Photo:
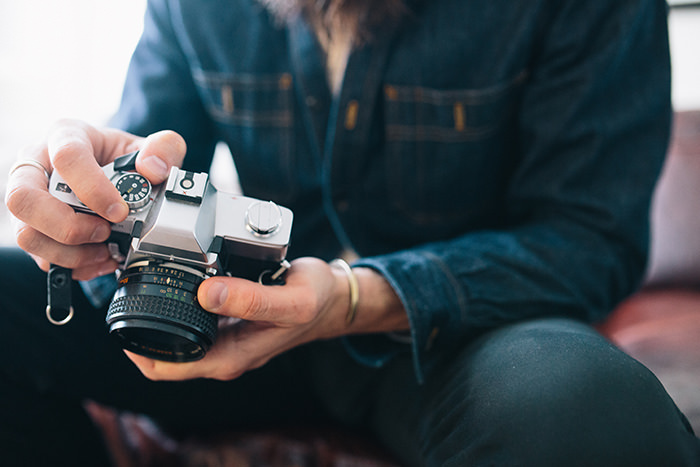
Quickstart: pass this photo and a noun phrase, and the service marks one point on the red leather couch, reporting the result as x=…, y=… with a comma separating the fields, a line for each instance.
x=659, y=325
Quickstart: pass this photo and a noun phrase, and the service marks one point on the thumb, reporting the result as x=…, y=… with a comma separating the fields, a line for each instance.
x=247, y=300
x=159, y=152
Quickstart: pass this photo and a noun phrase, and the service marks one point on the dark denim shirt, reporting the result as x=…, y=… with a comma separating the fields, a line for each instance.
x=494, y=160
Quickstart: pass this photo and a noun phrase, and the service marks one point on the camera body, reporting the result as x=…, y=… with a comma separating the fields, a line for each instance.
x=176, y=235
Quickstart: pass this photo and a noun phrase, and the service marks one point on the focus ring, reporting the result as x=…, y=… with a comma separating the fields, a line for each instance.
x=164, y=309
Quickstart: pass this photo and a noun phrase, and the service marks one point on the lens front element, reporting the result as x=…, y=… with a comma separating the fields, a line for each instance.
x=155, y=312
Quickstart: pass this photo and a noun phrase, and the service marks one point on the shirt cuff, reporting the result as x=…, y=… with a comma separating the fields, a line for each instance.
x=434, y=302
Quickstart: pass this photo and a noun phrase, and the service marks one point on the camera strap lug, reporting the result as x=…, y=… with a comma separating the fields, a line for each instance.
x=284, y=265
x=59, y=310
x=274, y=278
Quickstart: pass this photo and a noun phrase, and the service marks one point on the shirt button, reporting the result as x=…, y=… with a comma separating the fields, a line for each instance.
x=311, y=102
x=351, y=112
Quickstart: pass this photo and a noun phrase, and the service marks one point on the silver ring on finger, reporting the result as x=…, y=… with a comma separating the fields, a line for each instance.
x=29, y=163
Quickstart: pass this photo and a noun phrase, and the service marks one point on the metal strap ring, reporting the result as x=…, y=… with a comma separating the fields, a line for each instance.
x=58, y=322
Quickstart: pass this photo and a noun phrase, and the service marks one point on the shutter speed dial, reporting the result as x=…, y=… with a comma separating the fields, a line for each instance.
x=135, y=189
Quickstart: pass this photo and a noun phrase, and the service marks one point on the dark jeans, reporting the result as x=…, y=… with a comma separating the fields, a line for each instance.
x=545, y=392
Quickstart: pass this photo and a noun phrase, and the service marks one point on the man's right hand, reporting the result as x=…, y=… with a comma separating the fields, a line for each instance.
x=49, y=230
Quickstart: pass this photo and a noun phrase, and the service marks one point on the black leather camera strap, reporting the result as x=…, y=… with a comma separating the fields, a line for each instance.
x=59, y=308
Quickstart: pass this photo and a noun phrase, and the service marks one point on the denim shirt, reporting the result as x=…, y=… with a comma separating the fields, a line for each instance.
x=493, y=160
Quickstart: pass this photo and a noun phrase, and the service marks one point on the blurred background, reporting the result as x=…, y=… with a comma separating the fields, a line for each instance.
x=59, y=59
x=69, y=58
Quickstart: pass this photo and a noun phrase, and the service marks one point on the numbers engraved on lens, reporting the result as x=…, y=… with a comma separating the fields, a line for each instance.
x=168, y=282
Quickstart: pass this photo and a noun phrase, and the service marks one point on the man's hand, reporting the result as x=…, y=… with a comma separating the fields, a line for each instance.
x=311, y=305
x=49, y=230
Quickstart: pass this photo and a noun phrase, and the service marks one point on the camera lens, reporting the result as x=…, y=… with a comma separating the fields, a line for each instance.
x=155, y=312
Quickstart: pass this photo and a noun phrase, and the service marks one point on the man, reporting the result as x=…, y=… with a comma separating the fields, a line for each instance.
x=489, y=164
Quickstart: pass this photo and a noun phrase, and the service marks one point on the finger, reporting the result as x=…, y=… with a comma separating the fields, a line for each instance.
x=110, y=143
x=159, y=152
x=28, y=200
x=72, y=150
x=251, y=301
x=81, y=273
x=244, y=347
x=95, y=270
x=168, y=147
x=308, y=288
x=90, y=256
x=29, y=175
x=157, y=370
x=39, y=153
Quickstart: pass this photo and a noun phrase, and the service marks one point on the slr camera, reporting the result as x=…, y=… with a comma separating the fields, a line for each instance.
x=176, y=235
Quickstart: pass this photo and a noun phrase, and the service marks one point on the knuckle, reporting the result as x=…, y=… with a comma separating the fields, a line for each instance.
x=171, y=135
x=18, y=200
x=222, y=376
x=175, y=139
x=42, y=263
x=228, y=374
x=253, y=306
x=63, y=156
x=149, y=371
x=27, y=238
x=180, y=143
x=70, y=234
x=150, y=375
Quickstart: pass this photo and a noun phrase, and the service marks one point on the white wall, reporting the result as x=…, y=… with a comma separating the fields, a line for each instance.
x=684, y=31
x=58, y=59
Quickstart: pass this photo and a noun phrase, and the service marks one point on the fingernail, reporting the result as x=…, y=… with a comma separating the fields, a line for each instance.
x=156, y=166
x=100, y=234
x=216, y=296
x=117, y=212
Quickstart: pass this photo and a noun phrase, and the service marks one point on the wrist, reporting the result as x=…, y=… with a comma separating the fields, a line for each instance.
x=364, y=302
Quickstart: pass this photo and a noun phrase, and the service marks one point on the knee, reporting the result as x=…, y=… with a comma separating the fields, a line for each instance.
x=553, y=391
x=537, y=376
x=552, y=368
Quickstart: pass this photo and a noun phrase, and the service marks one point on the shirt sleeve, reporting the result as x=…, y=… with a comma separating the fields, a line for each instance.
x=593, y=130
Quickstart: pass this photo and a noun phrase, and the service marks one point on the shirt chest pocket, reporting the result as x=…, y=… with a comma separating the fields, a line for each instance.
x=448, y=151
x=254, y=115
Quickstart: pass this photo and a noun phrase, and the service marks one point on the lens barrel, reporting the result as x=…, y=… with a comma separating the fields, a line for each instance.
x=155, y=312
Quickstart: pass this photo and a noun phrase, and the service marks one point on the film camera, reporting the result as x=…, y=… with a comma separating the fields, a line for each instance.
x=176, y=235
